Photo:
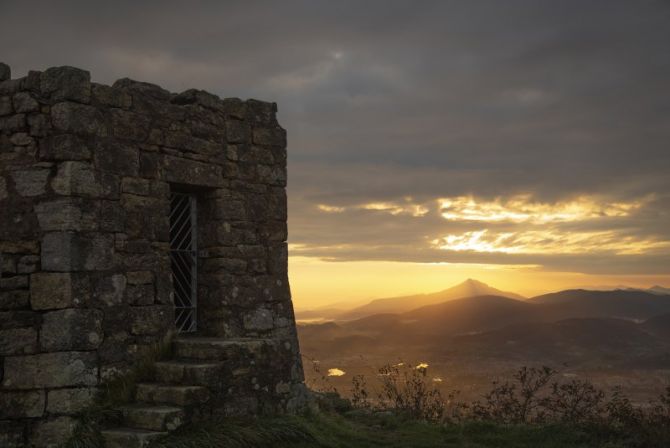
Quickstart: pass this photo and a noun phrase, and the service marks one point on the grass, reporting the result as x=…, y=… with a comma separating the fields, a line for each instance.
x=121, y=389
x=114, y=394
x=357, y=429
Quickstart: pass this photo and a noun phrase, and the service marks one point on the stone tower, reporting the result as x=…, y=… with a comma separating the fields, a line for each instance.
x=132, y=217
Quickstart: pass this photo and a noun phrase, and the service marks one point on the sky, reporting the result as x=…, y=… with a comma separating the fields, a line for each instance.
x=522, y=143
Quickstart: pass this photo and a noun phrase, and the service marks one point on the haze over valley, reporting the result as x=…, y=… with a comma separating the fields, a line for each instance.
x=472, y=333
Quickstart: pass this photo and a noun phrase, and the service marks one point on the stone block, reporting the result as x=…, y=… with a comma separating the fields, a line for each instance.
x=154, y=319
x=28, y=264
x=140, y=277
x=4, y=194
x=238, y=131
x=109, y=96
x=150, y=166
x=77, y=178
x=274, y=231
x=146, y=217
x=12, y=433
x=18, y=341
x=22, y=139
x=258, y=320
x=140, y=294
x=53, y=433
x=13, y=123
x=24, y=102
x=51, y=291
x=136, y=186
x=19, y=247
x=29, y=183
x=262, y=113
x=154, y=418
x=116, y=157
x=21, y=404
x=189, y=172
x=13, y=299
x=230, y=210
x=78, y=119
x=66, y=147
x=5, y=106
x=18, y=319
x=129, y=125
x=108, y=290
x=70, y=401
x=278, y=259
x=71, y=329
x=51, y=370
x=227, y=264
x=38, y=124
x=112, y=216
x=5, y=72
x=15, y=282
x=70, y=213
x=270, y=137
x=271, y=175
x=66, y=83
x=69, y=251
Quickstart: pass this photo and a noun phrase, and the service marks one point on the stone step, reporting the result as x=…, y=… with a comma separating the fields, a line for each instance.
x=157, y=393
x=217, y=349
x=197, y=373
x=129, y=437
x=154, y=418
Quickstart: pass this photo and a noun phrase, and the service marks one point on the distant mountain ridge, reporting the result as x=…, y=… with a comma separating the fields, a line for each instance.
x=556, y=322
x=402, y=304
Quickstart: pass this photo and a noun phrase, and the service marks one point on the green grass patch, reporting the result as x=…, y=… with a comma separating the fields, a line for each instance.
x=367, y=430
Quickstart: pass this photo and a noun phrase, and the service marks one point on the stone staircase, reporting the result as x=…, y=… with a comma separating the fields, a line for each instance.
x=202, y=370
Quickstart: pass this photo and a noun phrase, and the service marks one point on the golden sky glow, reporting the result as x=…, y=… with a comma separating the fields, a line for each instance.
x=509, y=242
x=317, y=283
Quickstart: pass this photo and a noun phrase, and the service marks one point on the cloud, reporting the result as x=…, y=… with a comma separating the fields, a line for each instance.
x=550, y=116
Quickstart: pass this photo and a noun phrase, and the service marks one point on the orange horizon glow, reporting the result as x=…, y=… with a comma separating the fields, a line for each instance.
x=316, y=283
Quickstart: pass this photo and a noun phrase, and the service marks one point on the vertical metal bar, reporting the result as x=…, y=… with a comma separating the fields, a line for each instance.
x=194, y=253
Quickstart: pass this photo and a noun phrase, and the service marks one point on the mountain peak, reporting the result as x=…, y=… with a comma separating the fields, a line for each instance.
x=473, y=281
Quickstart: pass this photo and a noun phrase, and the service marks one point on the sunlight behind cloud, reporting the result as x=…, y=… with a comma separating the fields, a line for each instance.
x=522, y=208
x=416, y=210
x=548, y=242
x=392, y=208
x=330, y=208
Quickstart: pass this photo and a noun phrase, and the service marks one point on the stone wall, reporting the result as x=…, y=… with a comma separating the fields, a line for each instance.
x=86, y=172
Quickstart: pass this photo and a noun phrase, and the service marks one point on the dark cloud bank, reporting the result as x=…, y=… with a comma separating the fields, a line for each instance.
x=385, y=100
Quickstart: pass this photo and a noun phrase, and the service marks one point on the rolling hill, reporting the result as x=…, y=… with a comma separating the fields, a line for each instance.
x=469, y=288
x=622, y=304
x=567, y=338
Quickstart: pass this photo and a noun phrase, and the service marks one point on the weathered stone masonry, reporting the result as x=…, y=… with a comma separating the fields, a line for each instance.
x=86, y=174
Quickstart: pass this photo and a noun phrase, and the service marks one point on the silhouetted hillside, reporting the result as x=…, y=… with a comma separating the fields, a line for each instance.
x=621, y=304
x=658, y=325
x=570, y=338
x=468, y=288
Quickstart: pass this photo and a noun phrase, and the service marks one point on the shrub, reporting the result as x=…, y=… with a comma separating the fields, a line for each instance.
x=519, y=401
x=577, y=401
x=405, y=389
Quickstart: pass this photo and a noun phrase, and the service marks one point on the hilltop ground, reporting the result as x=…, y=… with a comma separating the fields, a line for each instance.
x=357, y=430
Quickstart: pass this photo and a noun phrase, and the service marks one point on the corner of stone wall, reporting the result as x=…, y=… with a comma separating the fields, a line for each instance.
x=85, y=176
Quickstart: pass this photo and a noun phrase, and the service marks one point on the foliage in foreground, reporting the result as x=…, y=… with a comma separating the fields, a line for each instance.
x=116, y=392
x=400, y=407
x=403, y=409
x=363, y=429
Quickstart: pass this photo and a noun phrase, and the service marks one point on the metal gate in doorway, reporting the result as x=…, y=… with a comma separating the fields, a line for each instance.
x=184, y=260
